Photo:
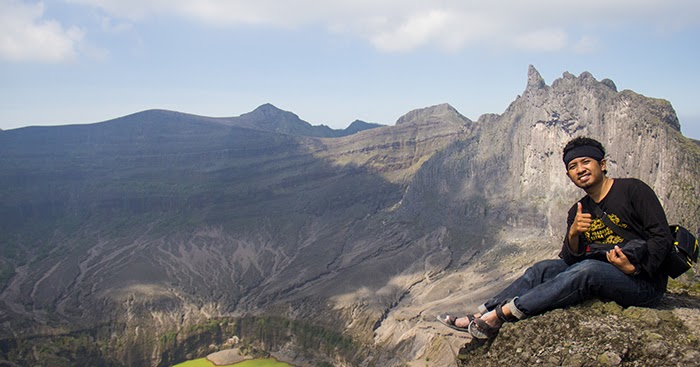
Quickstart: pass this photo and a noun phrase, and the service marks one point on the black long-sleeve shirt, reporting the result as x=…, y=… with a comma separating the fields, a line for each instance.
x=633, y=205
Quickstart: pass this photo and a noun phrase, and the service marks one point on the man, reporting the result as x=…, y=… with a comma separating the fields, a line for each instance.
x=594, y=260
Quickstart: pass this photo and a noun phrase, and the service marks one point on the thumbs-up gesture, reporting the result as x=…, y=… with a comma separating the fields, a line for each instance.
x=581, y=223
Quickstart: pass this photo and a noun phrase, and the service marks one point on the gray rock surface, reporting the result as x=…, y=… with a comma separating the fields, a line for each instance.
x=597, y=334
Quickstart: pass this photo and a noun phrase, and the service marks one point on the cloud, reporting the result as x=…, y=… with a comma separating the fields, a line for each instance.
x=405, y=25
x=108, y=25
x=130, y=9
x=26, y=36
x=413, y=32
x=542, y=40
x=217, y=12
x=586, y=44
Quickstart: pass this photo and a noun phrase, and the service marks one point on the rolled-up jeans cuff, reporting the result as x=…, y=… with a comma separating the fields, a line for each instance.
x=483, y=309
x=515, y=310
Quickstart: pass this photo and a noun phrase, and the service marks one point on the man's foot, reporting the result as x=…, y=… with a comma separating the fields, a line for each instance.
x=459, y=324
x=488, y=325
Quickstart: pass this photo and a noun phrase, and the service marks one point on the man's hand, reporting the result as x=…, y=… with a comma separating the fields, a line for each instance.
x=620, y=260
x=581, y=223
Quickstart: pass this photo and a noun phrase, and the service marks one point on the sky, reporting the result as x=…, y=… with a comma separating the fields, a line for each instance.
x=332, y=62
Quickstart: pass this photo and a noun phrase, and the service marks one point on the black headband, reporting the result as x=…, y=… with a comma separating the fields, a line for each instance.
x=583, y=151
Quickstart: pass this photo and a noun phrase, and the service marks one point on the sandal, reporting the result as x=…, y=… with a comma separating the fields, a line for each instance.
x=449, y=321
x=480, y=329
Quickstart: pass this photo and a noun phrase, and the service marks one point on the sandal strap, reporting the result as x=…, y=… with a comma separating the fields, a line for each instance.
x=487, y=329
x=502, y=316
x=453, y=319
x=450, y=320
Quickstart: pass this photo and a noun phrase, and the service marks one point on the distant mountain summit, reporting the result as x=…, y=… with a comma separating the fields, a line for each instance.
x=270, y=118
x=359, y=125
x=442, y=112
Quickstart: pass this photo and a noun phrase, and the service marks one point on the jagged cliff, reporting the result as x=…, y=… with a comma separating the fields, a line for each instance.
x=503, y=194
x=135, y=238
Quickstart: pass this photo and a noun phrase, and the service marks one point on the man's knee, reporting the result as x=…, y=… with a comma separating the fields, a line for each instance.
x=546, y=269
x=554, y=265
x=590, y=265
x=590, y=273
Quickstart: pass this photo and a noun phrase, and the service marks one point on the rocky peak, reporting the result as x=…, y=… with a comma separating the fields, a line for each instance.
x=438, y=113
x=267, y=117
x=359, y=125
x=269, y=111
x=534, y=79
x=610, y=84
x=630, y=125
x=267, y=114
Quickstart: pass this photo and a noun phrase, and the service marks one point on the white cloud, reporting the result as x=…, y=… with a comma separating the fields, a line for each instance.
x=108, y=25
x=586, y=44
x=218, y=12
x=413, y=32
x=130, y=9
x=448, y=30
x=404, y=25
x=542, y=39
x=26, y=36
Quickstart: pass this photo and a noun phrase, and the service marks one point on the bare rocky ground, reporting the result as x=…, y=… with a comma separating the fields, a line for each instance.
x=596, y=334
x=227, y=357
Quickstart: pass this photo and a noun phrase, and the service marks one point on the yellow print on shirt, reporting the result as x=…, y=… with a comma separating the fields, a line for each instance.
x=598, y=232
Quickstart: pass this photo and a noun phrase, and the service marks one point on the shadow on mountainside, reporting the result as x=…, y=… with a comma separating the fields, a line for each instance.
x=598, y=333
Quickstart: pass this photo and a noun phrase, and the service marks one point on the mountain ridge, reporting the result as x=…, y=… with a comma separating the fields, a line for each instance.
x=265, y=117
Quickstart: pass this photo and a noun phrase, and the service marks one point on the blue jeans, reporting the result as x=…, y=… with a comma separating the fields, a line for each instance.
x=552, y=284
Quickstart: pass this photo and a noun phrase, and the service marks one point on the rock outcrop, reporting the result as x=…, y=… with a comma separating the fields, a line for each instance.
x=597, y=334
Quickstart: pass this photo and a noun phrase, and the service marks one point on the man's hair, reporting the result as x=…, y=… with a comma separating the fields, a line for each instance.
x=582, y=141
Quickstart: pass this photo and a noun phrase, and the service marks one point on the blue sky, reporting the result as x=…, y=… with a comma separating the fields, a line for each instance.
x=331, y=62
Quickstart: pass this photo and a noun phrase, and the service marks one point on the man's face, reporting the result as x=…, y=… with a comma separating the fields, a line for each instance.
x=586, y=172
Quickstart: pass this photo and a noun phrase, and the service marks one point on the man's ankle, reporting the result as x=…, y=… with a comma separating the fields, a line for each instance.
x=491, y=318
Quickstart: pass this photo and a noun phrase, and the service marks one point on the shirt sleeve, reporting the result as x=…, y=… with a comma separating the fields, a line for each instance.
x=655, y=227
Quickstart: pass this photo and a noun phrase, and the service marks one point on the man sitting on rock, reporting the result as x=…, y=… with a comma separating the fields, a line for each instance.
x=594, y=260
